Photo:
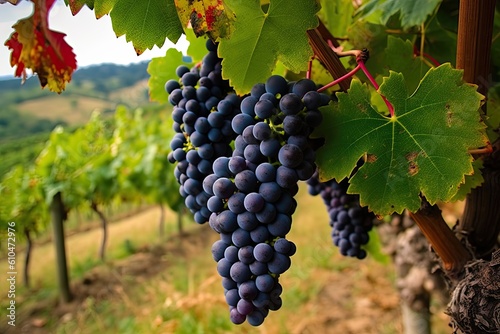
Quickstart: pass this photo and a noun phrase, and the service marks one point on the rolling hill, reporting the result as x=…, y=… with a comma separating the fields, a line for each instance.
x=26, y=106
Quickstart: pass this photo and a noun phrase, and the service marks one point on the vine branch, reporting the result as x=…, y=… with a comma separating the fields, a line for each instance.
x=453, y=254
x=328, y=57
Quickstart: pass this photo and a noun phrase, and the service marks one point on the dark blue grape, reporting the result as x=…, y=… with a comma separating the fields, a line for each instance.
x=189, y=79
x=240, y=272
x=241, y=237
x=247, y=221
x=261, y=131
x=260, y=234
x=286, y=177
x=290, y=155
x=279, y=264
x=276, y=84
x=254, y=202
x=264, y=109
x=231, y=253
x=223, y=188
x=248, y=104
x=235, y=203
x=240, y=122
x=263, y=252
x=170, y=85
x=265, y=283
x=303, y=86
x=246, y=181
x=291, y=104
x=232, y=297
x=218, y=249
x=270, y=147
x=270, y=191
x=257, y=90
x=181, y=70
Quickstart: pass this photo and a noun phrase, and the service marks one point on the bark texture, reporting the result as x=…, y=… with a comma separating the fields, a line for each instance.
x=475, y=304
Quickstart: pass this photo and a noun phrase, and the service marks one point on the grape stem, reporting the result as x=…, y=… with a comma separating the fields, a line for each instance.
x=309, y=69
x=483, y=150
x=334, y=82
x=361, y=58
x=361, y=63
x=427, y=56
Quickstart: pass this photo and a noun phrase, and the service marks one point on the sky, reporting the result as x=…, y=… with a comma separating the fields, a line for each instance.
x=93, y=40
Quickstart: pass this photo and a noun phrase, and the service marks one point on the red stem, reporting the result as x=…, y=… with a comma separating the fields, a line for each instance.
x=431, y=59
x=375, y=84
x=333, y=83
x=309, y=69
x=426, y=55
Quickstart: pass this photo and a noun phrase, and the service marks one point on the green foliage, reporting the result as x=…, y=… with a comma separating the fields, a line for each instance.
x=162, y=69
x=441, y=33
x=22, y=151
x=197, y=46
x=411, y=13
x=399, y=54
x=422, y=149
x=493, y=117
x=337, y=16
x=471, y=182
x=56, y=164
x=261, y=38
x=146, y=23
x=210, y=17
x=22, y=201
x=140, y=154
x=101, y=7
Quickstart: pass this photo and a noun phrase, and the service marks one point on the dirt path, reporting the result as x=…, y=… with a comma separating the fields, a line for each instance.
x=84, y=246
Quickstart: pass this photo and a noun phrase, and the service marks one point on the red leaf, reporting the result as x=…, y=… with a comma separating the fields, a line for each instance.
x=42, y=50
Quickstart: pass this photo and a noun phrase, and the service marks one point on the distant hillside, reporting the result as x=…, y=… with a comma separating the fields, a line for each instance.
x=28, y=108
x=93, y=80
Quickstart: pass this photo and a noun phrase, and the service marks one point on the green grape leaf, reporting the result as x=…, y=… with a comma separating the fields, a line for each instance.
x=261, y=38
x=211, y=17
x=441, y=34
x=421, y=150
x=471, y=182
x=76, y=5
x=162, y=69
x=197, y=46
x=411, y=13
x=400, y=58
x=100, y=7
x=103, y=7
x=492, y=120
x=337, y=16
x=375, y=248
x=146, y=23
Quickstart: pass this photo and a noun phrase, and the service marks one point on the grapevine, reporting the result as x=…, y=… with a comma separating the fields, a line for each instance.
x=272, y=103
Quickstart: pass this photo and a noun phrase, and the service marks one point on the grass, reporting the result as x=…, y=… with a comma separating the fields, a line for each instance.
x=71, y=109
x=321, y=287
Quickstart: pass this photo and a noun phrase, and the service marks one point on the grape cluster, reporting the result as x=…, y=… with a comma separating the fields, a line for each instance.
x=202, y=114
x=349, y=221
x=252, y=193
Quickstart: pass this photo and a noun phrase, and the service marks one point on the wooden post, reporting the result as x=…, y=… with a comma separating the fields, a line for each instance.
x=57, y=215
x=480, y=223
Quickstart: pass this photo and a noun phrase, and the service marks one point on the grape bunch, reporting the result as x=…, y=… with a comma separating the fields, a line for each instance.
x=349, y=221
x=252, y=193
x=202, y=114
